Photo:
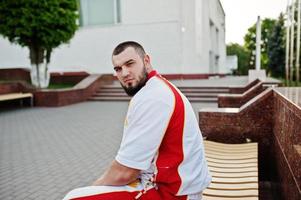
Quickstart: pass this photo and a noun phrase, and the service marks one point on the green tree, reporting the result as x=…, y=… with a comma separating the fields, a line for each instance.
x=243, y=57
x=276, y=49
x=40, y=25
x=267, y=26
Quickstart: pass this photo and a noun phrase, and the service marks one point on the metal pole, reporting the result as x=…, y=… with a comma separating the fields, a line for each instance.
x=287, y=50
x=292, y=40
x=258, y=42
x=298, y=45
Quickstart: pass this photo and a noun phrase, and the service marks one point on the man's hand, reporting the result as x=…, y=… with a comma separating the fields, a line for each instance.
x=117, y=174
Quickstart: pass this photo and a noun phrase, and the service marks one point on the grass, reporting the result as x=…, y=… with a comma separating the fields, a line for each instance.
x=60, y=85
x=292, y=84
x=288, y=83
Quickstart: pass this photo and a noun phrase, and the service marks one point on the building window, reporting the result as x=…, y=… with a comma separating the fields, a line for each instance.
x=99, y=12
x=216, y=64
x=211, y=62
x=217, y=39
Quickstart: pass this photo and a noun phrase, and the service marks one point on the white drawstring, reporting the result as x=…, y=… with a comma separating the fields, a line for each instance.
x=147, y=186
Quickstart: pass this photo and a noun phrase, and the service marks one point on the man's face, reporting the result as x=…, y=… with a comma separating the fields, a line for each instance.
x=130, y=70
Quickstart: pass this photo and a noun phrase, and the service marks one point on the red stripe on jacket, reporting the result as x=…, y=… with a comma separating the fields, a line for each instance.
x=171, y=154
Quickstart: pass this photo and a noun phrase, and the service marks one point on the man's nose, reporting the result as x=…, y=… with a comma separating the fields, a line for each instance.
x=125, y=72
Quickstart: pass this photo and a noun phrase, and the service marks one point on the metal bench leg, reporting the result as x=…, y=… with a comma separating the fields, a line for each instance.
x=31, y=102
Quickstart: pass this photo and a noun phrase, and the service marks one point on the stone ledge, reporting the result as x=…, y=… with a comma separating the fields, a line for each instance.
x=237, y=100
x=80, y=92
x=240, y=90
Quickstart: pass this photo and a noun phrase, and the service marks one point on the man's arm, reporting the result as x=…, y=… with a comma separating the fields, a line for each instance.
x=117, y=174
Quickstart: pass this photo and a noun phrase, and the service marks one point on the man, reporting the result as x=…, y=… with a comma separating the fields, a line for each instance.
x=161, y=155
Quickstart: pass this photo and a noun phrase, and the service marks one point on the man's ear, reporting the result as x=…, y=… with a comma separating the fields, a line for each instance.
x=147, y=63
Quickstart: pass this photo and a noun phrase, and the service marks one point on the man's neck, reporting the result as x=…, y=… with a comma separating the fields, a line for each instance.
x=151, y=74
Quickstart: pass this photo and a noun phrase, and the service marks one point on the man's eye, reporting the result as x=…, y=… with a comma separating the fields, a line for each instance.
x=117, y=69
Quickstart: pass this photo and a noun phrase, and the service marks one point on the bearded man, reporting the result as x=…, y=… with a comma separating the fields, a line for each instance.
x=161, y=156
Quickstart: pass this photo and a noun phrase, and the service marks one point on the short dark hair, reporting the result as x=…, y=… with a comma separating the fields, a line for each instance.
x=122, y=46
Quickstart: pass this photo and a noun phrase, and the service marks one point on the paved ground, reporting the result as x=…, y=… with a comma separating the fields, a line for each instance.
x=46, y=152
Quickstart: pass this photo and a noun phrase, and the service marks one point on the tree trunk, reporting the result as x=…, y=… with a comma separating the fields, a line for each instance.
x=40, y=75
x=39, y=67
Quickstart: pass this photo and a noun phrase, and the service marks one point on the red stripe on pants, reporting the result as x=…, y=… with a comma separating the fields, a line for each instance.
x=151, y=194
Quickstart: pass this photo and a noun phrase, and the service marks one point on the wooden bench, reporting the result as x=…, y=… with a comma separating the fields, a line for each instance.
x=14, y=96
x=234, y=170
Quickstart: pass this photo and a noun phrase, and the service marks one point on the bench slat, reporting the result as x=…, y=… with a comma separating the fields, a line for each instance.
x=234, y=175
x=230, y=157
x=215, y=160
x=231, y=193
x=235, y=180
x=231, y=146
x=242, y=148
x=245, y=146
x=233, y=170
x=15, y=96
x=234, y=154
x=231, y=165
x=229, y=198
x=234, y=186
x=4, y=97
x=223, y=150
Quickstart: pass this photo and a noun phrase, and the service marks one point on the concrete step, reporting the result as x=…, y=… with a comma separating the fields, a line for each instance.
x=204, y=87
x=202, y=99
x=188, y=95
x=110, y=91
x=111, y=88
x=204, y=95
x=110, y=95
x=204, y=90
x=180, y=87
x=114, y=87
x=127, y=98
x=187, y=90
x=194, y=94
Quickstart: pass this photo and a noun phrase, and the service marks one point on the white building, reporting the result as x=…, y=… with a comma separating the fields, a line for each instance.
x=182, y=37
x=232, y=63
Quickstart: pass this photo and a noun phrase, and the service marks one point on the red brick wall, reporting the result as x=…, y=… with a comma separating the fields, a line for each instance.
x=287, y=132
x=275, y=123
x=237, y=100
x=79, y=93
x=15, y=74
x=68, y=77
x=6, y=88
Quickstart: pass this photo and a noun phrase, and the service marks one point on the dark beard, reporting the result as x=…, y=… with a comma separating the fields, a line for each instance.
x=131, y=91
